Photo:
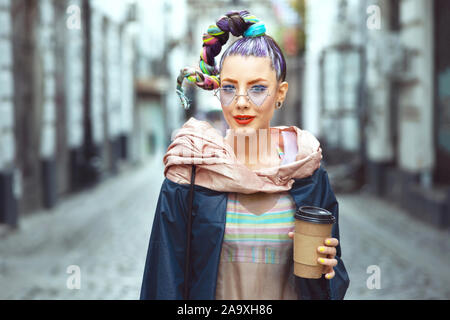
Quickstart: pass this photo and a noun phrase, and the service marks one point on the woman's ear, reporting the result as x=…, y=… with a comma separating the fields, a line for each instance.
x=282, y=91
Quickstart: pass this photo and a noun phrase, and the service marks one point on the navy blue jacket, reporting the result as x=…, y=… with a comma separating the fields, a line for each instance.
x=164, y=267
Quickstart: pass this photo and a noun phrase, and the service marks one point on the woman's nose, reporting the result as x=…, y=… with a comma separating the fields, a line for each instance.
x=242, y=101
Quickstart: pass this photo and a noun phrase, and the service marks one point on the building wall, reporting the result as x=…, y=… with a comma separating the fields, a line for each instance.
x=378, y=128
x=106, y=109
x=45, y=98
x=28, y=106
x=7, y=150
x=127, y=97
x=74, y=75
x=319, y=35
x=442, y=91
x=334, y=75
x=416, y=146
x=46, y=60
x=67, y=94
x=396, y=127
x=399, y=115
x=97, y=76
x=9, y=175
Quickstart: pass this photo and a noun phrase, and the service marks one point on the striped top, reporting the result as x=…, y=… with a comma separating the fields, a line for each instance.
x=256, y=257
x=258, y=238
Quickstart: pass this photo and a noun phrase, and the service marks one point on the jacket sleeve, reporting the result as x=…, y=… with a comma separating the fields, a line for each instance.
x=316, y=190
x=163, y=273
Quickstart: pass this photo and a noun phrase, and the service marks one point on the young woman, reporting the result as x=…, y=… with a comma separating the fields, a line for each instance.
x=246, y=185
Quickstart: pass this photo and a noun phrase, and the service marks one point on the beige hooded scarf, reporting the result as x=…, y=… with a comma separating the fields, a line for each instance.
x=218, y=168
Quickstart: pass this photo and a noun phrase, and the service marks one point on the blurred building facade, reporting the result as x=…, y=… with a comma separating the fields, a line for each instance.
x=83, y=88
x=377, y=94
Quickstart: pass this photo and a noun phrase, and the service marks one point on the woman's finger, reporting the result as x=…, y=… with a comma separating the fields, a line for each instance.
x=291, y=235
x=327, y=262
x=330, y=275
x=331, y=242
x=331, y=251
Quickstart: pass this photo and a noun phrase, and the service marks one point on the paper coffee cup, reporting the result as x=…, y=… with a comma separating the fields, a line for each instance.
x=312, y=226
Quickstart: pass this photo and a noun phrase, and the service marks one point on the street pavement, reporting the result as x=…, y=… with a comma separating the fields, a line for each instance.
x=410, y=257
x=101, y=235
x=103, y=231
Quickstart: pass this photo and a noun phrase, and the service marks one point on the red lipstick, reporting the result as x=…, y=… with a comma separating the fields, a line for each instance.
x=243, y=119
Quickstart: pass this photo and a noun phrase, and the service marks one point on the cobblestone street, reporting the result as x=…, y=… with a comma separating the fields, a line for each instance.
x=105, y=232
x=412, y=257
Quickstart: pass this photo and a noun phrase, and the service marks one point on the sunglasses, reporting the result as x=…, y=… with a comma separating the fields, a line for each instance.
x=257, y=95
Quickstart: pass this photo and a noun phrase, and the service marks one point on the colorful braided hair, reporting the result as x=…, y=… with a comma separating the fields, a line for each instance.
x=254, y=43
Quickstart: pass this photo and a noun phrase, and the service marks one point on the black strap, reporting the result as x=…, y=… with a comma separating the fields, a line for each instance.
x=187, y=260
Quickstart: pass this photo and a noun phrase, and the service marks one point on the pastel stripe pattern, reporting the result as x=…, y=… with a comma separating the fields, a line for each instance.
x=259, y=238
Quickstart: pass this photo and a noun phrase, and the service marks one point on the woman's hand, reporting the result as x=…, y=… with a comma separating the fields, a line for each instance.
x=329, y=248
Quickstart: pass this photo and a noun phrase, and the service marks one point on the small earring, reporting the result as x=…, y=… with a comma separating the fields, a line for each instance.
x=279, y=105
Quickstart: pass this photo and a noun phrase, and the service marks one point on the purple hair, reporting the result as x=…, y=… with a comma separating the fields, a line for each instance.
x=264, y=46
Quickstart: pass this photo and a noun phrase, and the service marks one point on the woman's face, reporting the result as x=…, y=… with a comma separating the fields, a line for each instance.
x=254, y=75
